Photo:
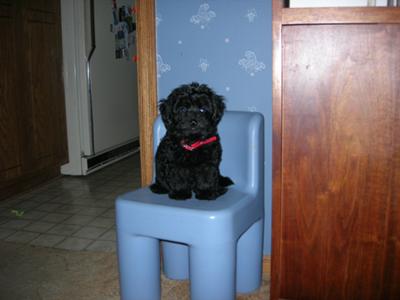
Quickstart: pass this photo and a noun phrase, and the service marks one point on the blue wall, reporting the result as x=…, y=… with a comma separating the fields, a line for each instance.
x=226, y=44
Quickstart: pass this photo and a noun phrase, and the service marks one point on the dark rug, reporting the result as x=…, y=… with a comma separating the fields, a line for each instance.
x=28, y=272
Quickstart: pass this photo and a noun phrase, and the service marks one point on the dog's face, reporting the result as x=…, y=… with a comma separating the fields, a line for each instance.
x=192, y=111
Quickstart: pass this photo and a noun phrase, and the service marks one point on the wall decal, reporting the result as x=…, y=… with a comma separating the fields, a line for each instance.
x=204, y=16
x=158, y=19
x=251, y=15
x=161, y=66
x=203, y=65
x=250, y=63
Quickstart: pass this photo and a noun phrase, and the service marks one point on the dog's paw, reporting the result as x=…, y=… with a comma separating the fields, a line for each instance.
x=158, y=189
x=225, y=181
x=180, y=195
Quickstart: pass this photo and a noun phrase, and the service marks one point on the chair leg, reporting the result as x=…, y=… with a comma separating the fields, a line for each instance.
x=212, y=272
x=139, y=267
x=249, y=259
x=175, y=260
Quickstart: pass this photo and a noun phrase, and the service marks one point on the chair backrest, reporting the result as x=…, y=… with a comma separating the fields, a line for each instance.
x=242, y=139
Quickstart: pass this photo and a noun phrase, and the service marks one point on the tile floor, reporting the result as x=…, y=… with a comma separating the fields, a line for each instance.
x=73, y=213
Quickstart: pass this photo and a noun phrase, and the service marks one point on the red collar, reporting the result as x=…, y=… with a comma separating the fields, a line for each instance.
x=198, y=144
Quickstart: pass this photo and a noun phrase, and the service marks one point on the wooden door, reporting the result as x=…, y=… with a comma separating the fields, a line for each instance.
x=340, y=163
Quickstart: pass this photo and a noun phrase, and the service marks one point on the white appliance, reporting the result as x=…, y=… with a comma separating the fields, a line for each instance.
x=100, y=90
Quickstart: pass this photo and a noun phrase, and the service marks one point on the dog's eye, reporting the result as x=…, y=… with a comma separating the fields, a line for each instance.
x=203, y=109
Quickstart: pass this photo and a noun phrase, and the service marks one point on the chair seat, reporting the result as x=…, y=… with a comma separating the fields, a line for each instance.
x=145, y=213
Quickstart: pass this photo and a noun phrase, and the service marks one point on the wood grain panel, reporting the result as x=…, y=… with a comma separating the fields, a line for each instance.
x=340, y=15
x=41, y=98
x=45, y=95
x=7, y=10
x=32, y=112
x=391, y=277
x=6, y=2
x=277, y=143
x=50, y=6
x=10, y=159
x=340, y=116
x=147, y=84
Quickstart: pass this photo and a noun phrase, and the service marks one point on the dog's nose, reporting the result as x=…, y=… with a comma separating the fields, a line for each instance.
x=193, y=123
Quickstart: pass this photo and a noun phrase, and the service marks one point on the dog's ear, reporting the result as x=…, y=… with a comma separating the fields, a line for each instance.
x=218, y=104
x=166, y=112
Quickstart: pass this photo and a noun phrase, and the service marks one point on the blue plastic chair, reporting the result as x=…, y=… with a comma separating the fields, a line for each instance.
x=216, y=244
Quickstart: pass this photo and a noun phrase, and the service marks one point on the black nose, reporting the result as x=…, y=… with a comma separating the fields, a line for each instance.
x=193, y=123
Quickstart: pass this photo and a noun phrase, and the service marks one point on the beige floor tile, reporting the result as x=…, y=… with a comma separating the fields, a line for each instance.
x=38, y=226
x=74, y=243
x=90, y=232
x=22, y=237
x=47, y=240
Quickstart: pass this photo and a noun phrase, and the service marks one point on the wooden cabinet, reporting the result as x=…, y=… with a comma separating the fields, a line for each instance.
x=336, y=199
x=10, y=154
x=32, y=114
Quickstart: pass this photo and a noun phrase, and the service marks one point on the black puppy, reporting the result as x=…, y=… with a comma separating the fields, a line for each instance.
x=188, y=157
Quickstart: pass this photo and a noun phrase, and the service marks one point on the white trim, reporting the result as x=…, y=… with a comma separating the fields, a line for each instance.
x=81, y=77
x=73, y=167
x=75, y=85
x=86, y=170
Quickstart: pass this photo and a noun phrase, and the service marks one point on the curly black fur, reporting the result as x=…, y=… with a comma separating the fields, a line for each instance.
x=190, y=113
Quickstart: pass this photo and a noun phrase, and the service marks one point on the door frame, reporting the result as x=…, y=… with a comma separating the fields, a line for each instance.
x=147, y=84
